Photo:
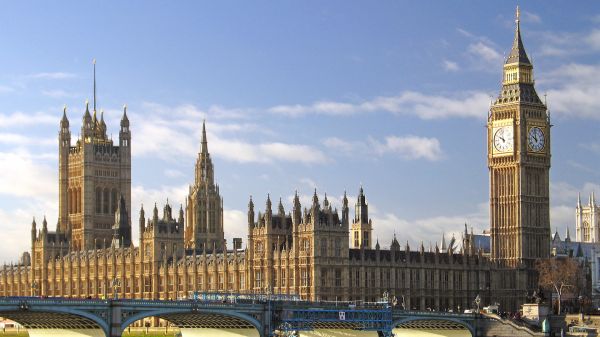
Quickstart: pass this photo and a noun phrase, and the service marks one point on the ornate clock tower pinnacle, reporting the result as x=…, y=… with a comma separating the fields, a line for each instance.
x=519, y=164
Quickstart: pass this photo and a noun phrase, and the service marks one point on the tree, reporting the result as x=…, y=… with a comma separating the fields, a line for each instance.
x=562, y=275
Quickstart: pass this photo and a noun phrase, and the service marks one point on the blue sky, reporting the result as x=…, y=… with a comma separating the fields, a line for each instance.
x=296, y=95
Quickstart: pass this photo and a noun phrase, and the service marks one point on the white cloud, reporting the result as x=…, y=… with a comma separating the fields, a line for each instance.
x=485, y=52
x=309, y=182
x=52, y=75
x=592, y=147
x=568, y=44
x=21, y=140
x=24, y=175
x=235, y=225
x=531, y=17
x=573, y=90
x=197, y=114
x=343, y=146
x=56, y=93
x=450, y=66
x=18, y=119
x=171, y=173
x=410, y=147
x=6, y=89
x=28, y=181
x=465, y=105
x=181, y=134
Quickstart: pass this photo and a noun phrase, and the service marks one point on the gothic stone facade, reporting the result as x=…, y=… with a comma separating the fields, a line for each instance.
x=313, y=252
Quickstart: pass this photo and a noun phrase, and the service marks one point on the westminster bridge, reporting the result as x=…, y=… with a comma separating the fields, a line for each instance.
x=229, y=315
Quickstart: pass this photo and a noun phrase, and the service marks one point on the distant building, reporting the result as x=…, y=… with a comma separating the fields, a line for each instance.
x=587, y=221
x=586, y=246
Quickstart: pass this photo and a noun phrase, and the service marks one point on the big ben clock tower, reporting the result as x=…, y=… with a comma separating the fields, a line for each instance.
x=519, y=165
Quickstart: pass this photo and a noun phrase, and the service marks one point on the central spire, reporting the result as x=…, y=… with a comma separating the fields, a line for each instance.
x=94, y=63
x=517, y=53
x=204, y=141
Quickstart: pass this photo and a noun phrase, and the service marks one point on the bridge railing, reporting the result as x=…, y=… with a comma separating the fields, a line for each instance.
x=401, y=312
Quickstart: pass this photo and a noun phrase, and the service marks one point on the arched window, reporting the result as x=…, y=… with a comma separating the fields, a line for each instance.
x=98, y=200
x=115, y=201
x=106, y=200
x=324, y=247
x=78, y=201
x=69, y=201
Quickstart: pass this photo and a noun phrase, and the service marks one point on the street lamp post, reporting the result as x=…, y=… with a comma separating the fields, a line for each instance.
x=477, y=302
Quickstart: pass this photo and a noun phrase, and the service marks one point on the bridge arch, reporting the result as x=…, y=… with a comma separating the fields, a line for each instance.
x=408, y=320
x=56, y=320
x=182, y=317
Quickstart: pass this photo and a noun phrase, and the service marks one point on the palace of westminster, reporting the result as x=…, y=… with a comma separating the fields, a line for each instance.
x=312, y=252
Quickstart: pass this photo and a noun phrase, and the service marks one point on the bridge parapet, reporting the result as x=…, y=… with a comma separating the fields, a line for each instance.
x=114, y=316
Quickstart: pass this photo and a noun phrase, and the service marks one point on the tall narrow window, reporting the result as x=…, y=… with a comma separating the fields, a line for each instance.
x=98, y=200
x=106, y=200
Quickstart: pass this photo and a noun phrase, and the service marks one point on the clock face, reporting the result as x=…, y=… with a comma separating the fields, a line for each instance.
x=535, y=139
x=503, y=139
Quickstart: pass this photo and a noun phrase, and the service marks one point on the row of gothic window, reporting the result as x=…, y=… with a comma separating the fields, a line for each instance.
x=106, y=201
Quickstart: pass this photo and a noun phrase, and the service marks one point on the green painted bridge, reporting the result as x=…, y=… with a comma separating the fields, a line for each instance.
x=234, y=315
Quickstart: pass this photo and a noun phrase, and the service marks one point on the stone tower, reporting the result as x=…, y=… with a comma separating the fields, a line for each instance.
x=92, y=176
x=204, y=208
x=362, y=229
x=519, y=165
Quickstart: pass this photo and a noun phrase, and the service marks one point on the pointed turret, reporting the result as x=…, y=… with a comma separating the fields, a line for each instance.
x=102, y=123
x=593, y=199
x=250, y=214
x=86, y=125
x=315, y=199
x=325, y=202
x=155, y=214
x=64, y=122
x=280, y=209
x=33, y=230
x=142, y=221
x=86, y=116
x=94, y=118
x=568, y=236
x=124, y=119
x=443, y=243
x=578, y=200
x=297, y=210
x=44, y=226
x=395, y=244
x=180, y=219
x=345, y=211
x=361, y=210
x=268, y=208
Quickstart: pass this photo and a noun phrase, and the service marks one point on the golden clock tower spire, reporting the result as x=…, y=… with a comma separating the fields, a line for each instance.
x=519, y=165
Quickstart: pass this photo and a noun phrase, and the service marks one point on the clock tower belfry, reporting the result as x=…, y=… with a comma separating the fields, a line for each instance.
x=518, y=133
